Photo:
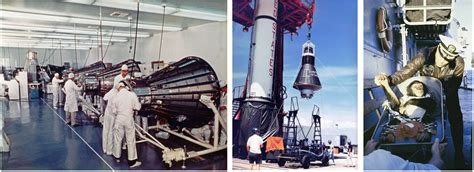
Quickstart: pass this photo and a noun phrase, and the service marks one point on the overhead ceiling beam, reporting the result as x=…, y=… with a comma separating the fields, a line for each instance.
x=156, y=9
x=46, y=45
x=43, y=16
x=71, y=30
x=42, y=46
x=27, y=34
x=11, y=40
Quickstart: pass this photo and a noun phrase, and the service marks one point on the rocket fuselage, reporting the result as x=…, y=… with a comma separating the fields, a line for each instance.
x=262, y=52
x=259, y=107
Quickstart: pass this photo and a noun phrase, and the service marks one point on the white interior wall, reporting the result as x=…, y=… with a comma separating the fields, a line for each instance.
x=11, y=57
x=208, y=41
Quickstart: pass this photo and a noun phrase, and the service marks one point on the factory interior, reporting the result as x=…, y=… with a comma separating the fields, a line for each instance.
x=59, y=64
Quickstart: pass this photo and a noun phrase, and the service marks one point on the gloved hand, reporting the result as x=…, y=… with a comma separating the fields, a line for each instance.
x=381, y=79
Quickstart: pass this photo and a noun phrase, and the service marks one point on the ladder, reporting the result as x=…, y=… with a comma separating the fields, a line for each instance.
x=235, y=106
x=237, y=99
x=291, y=129
x=317, y=125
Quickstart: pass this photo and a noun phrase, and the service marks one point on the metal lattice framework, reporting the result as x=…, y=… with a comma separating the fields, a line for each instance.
x=294, y=13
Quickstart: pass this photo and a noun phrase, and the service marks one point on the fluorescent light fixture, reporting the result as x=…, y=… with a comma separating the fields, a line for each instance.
x=126, y=5
x=132, y=6
x=28, y=35
x=44, y=44
x=31, y=16
x=200, y=15
x=77, y=20
x=156, y=9
x=89, y=2
x=4, y=40
x=49, y=42
x=40, y=46
x=71, y=30
x=56, y=36
x=140, y=25
x=72, y=43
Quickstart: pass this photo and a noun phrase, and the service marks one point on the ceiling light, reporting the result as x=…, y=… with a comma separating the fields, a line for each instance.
x=50, y=42
x=8, y=40
x=85, y=31
x=32, y=16
x=76, y=20
x=89, y=2
x=57, y=36
x=41, y=46
x=200, y=15
x=130, y=5
x=156, y=9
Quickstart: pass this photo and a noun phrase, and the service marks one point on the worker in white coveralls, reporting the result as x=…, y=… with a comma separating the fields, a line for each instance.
x=70, y=106
x=55, y=89
x=123, y=105
x=108, y=124
x=122, y=76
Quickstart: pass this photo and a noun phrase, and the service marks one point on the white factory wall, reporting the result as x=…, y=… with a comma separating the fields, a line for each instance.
x=15, y=57
x=207, y=41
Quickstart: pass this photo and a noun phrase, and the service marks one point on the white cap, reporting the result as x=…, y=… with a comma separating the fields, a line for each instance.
x=124, y=67
x=70, y=75
x=56, y=74
x=450, y=45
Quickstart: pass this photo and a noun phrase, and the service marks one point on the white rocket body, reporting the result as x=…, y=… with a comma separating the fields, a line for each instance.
x=262, y=51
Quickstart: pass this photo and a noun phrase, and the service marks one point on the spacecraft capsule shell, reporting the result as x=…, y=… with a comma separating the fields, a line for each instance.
x=307, y=81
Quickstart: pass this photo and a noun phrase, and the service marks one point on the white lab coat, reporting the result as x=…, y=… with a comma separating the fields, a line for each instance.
x=13, y=89
x=384, y=160
x=108, y=124
x=119, y=78
x=123, y=105
x=2, y=88
x=55, y=88
x=70, y=89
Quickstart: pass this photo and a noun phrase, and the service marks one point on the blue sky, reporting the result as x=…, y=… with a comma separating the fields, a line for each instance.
x=334, y=33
